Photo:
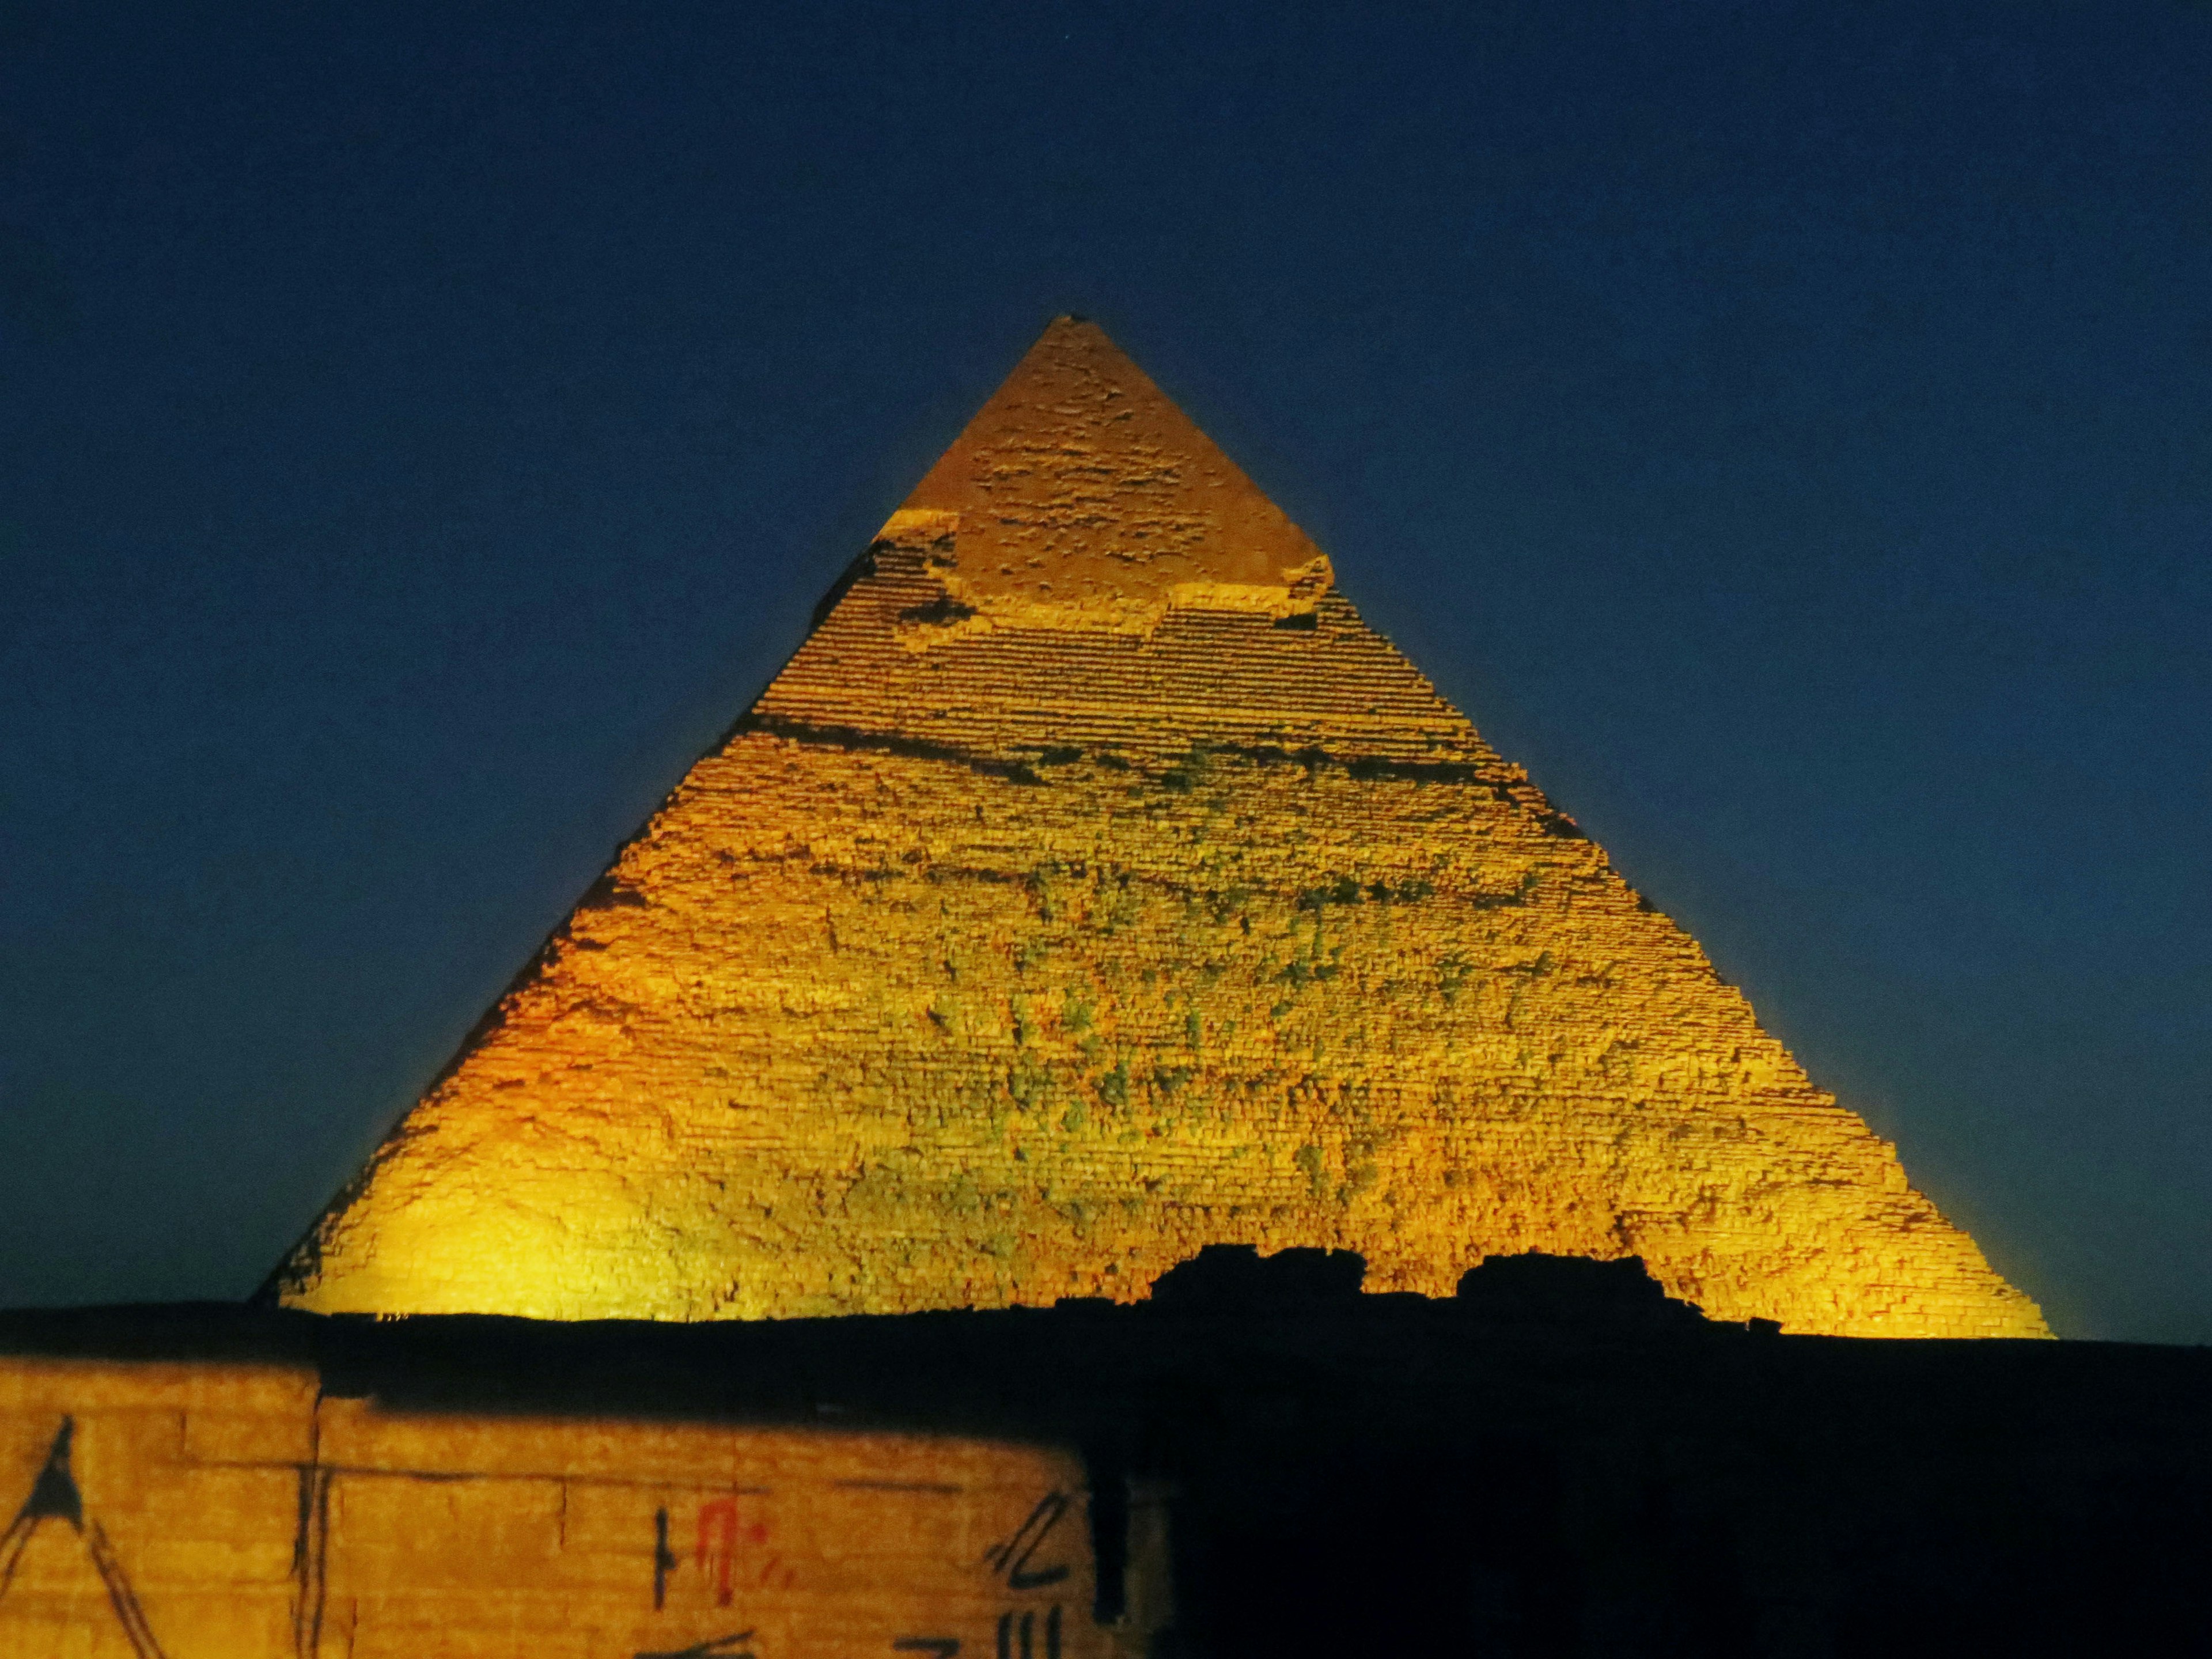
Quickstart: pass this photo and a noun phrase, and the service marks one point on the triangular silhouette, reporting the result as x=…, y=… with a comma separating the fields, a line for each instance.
x=54, y=1498
x=1094, y=886
x=54, y=1493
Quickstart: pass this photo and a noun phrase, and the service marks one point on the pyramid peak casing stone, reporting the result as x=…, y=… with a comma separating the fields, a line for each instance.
x=1091, y=887
x=1080, y=487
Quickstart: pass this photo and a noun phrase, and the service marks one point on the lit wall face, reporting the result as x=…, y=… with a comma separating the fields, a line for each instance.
x=220, y=1513
x=152, y=1505
x=1094, y=885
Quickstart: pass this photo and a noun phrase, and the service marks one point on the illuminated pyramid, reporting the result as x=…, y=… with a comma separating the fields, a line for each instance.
x=1094, y=886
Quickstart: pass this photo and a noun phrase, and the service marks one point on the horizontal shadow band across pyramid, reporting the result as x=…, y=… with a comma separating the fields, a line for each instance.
x=1093, y=886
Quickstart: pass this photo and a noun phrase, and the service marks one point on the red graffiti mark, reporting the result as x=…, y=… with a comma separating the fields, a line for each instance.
x=720, y=1534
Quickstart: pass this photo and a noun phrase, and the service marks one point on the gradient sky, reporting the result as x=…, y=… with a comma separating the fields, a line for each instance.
x=1786, y=428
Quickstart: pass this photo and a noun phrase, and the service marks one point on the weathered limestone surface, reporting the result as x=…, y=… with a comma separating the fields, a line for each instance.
x=225, y=1512
x=187, y=1508
x=1092, y=886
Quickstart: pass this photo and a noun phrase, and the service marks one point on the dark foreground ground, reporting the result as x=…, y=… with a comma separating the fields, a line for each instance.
x=1558, y=1461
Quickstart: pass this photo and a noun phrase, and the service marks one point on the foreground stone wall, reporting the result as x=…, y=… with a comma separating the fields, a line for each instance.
x=1558, y=1460
x=215, y=1511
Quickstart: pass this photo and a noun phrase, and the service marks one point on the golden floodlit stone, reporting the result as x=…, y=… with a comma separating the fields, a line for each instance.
x=213, y=1511
x=1092, y=886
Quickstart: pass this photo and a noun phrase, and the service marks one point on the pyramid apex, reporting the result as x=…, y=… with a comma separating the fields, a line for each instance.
x=1081, y=484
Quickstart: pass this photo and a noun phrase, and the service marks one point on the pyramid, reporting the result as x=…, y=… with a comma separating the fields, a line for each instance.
x=1091, y=886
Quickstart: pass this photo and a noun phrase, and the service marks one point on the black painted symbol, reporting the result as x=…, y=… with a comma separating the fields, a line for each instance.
x=664, y=1560
x=1012, y=1556
x=54, y=1497
x=943, y=1646
x=1022, y=1628
x=733, y=1646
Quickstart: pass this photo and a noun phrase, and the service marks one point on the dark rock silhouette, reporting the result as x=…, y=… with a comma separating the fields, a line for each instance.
x=1558, y=1460
x=1238, y=1279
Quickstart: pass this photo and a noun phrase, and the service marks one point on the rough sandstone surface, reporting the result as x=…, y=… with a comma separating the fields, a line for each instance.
x=1094, y=886
x=215, y=1511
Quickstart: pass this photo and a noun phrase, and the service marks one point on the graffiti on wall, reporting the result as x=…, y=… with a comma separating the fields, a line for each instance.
x=262, y=1520
x=1014, y=1561
x=54, y=1497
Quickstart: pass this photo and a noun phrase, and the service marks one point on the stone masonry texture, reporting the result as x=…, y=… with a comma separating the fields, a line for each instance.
x=218, y=1511
x=1092, y=886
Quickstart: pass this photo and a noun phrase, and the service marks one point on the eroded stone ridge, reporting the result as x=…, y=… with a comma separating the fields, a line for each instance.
x=1092, y=886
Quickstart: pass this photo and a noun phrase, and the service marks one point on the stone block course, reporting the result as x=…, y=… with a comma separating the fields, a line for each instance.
x=1094, y=886
x=238, y=1514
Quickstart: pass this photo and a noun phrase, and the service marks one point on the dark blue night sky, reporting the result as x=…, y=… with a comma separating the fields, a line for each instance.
x=1786, y=428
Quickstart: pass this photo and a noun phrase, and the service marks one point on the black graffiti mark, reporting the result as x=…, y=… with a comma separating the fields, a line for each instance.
x=54, y=1497
x=664, y=1560
x=1026, y=1630
x=1026, y=1539
x=311, y=1559
x=943, y=1646
x=732, y=1646
x=18, y=1535
x=120, y=1595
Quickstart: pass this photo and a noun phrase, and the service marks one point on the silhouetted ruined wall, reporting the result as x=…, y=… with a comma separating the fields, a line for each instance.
x=1259, y=1461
